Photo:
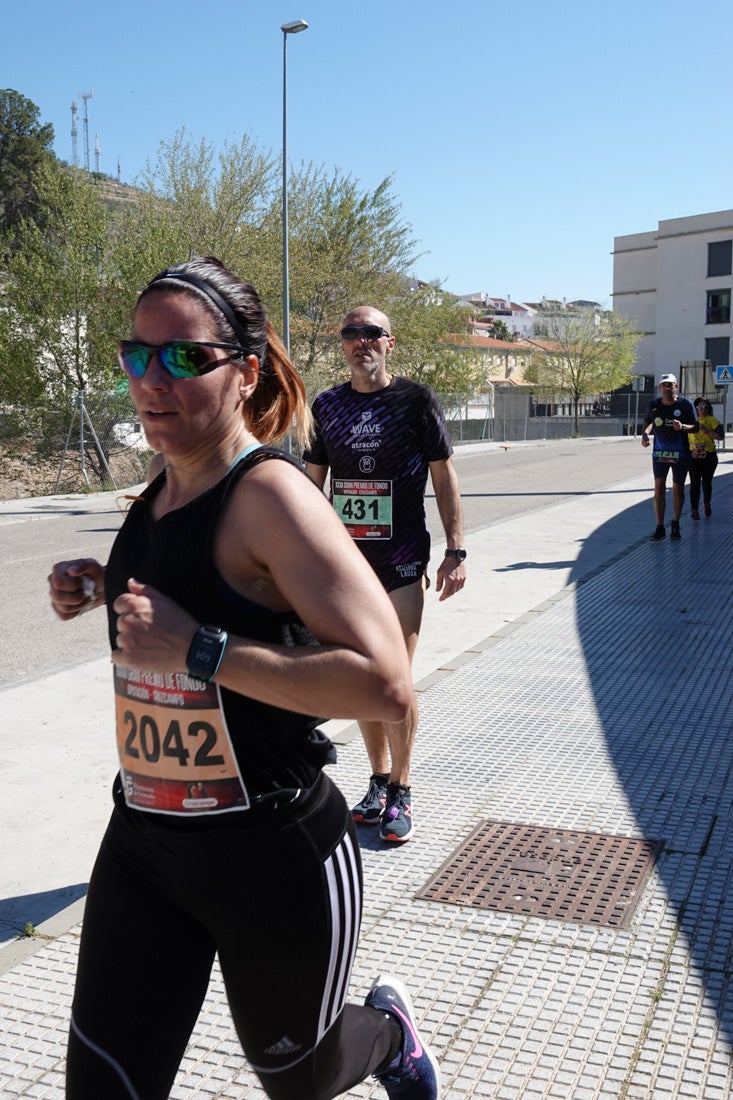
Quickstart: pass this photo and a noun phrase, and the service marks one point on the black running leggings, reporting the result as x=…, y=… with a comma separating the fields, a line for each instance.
x=701, y=472
x=279, y=898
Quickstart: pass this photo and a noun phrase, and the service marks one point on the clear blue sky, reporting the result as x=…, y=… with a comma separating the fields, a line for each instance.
x=521, y=138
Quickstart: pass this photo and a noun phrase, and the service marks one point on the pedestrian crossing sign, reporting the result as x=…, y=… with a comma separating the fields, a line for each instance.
x=723, y=374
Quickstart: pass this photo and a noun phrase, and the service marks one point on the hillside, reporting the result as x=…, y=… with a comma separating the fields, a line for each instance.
x=117, y=194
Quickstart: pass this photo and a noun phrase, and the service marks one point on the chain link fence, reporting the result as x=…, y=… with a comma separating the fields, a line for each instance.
x=469, y=417
x=86, y=443
x=94, y=443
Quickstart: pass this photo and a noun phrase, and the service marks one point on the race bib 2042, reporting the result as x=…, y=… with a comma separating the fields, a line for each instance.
x=176, y=754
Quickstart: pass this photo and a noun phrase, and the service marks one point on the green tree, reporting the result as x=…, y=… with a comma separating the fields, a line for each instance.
x=193, y=202
x=56, y=333
x=347, y=247
x=25, y=144
x=585, y=353
x=430, y=327
x=499, y=329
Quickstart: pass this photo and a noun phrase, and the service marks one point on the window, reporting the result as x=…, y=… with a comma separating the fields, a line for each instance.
x=717, y=350
x=718, y=309
x=719, y=258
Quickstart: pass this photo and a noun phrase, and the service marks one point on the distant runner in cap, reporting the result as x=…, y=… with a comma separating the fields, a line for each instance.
x=670, y=420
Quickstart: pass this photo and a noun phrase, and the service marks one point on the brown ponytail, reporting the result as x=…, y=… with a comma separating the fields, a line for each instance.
x=278, y=405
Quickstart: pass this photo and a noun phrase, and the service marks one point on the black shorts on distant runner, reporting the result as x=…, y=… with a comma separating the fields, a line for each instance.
x=679, y=469
x=399, y=576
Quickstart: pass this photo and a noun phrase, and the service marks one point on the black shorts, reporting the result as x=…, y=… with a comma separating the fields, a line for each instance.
x=399, y=576
x=679, y=469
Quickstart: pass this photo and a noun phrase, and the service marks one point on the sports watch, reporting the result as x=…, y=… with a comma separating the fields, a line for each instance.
x=206, y=651
x=459, y=554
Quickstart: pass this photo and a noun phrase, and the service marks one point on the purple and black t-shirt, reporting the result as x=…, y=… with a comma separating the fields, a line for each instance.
x=378, y=446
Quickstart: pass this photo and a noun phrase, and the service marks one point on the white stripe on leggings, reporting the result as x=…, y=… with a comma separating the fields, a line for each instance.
x=115, y=1065
x=345, y=898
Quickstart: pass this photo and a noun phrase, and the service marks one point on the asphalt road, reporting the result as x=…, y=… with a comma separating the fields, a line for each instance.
x=495, y=485
x=502, y=483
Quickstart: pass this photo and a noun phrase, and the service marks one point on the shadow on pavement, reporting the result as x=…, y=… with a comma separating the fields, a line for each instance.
x=534, y=565
x=16, y=913
x=656, y=628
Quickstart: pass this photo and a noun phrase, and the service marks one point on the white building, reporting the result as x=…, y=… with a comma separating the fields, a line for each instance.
x=517, y=316
x=676, y=281
x=523, y=319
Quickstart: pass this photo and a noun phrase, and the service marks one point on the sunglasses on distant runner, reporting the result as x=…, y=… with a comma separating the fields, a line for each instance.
x=369, y=332
x=181, y=358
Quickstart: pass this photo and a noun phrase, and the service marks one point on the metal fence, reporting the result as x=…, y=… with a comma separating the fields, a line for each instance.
x=74, y=445
x=514, y=415
x=94, y=442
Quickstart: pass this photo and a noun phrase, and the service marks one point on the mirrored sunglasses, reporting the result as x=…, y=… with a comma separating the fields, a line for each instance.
x=369, y=332
x=180, y=358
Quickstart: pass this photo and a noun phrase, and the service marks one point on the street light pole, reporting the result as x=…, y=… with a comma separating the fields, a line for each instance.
x=294, y=27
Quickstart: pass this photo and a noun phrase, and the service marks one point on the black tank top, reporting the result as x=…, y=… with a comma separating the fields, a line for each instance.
x=276, y=749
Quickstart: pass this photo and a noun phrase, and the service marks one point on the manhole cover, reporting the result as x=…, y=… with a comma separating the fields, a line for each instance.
x=585, y=878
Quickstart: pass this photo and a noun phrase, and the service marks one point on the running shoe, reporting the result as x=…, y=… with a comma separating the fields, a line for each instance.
x=369, y=810
x=694, y=514
x=659, y=533
x=675, y=531
x=708, y=509
x=397, y=816
x=414, y=1074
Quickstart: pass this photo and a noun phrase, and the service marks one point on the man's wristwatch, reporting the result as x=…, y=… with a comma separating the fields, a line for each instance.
x=206, y=651
x=459, y=554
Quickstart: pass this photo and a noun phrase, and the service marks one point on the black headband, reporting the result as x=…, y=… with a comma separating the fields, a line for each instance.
x=213, y=295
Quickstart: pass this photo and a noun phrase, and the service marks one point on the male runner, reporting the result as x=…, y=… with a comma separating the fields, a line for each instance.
x=380, y=435
x=671, y=419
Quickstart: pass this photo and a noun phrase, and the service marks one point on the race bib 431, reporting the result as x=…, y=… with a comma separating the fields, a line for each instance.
x=364, y=506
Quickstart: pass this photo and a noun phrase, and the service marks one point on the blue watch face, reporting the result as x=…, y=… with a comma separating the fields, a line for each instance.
x=202, y=652
x=205, y=652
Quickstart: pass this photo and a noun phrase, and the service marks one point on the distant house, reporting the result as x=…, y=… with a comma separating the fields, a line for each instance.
x=517, y=317
x=550, y=309
x=524, y=320
x=505, y=360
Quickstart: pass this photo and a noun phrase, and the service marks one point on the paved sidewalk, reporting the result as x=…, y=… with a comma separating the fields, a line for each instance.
x=589, y=694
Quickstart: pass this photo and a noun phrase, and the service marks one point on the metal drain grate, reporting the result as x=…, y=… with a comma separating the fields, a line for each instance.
x=584, y=878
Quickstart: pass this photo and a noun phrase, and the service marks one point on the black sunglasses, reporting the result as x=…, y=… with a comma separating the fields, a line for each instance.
x=181, y=358
x=369, y=332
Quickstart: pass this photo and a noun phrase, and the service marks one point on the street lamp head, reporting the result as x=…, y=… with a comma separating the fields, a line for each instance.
x=295, y=27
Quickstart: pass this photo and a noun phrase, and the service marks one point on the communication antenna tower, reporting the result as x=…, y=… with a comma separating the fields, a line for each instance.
x=74, y=135
x=97, y=151
x=86, y=96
